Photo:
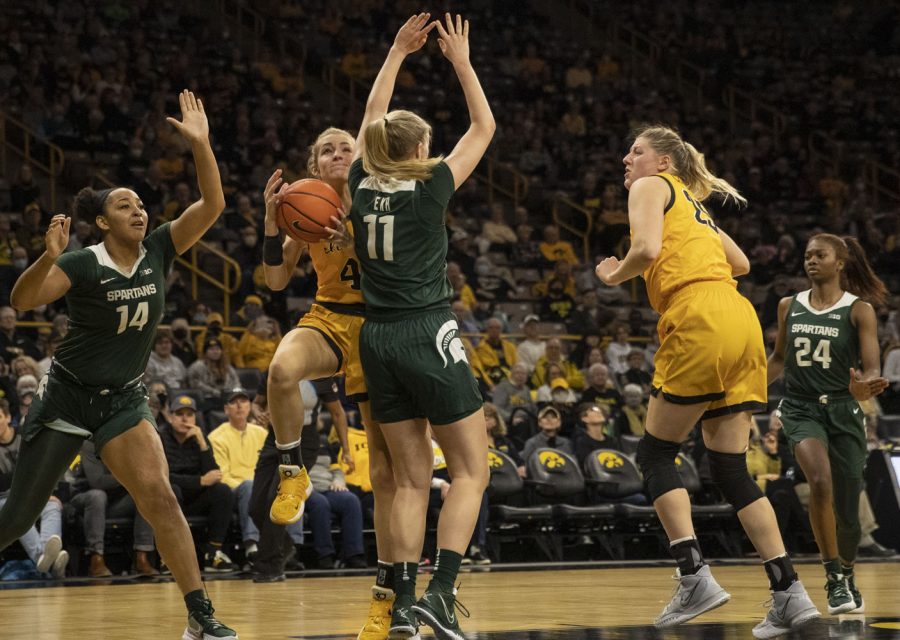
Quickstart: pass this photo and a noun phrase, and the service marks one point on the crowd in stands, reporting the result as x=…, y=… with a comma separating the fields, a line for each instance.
x=562, y=361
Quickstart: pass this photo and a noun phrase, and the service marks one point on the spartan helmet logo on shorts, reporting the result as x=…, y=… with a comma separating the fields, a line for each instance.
x=447, y=341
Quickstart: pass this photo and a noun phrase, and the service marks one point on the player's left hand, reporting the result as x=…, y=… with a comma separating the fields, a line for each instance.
x=193, y=126
x=340, y=234
x=865, y=389
x=606, y=269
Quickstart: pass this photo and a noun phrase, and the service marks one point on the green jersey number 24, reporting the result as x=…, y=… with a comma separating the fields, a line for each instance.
x=821, y=354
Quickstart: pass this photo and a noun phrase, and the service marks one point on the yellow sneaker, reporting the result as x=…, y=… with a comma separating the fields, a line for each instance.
x=379, y=621
x=293, y=490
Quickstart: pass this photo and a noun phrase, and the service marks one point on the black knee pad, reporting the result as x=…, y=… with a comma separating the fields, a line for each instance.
x=656, y=460
x=729, y=472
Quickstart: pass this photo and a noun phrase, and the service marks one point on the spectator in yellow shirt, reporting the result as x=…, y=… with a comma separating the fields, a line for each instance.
x=236, y=444
x=496, y=354
x=257, y=345
x=553, y=354
x=553, y=249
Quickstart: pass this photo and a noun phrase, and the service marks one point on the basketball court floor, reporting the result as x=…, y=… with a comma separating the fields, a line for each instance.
x=557, y=604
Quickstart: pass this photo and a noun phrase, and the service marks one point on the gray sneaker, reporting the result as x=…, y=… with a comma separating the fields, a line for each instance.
x=789, y=610
x=695, y=594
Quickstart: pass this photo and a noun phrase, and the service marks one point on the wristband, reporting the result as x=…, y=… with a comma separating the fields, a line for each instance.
x=273, y=252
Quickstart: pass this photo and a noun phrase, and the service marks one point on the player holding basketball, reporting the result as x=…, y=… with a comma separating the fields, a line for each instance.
x=414, y=361
x=115, y=292
x=823, y=334
x=710, y=367
x=325, y=343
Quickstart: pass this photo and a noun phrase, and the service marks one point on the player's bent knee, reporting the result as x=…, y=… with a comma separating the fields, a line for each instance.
x=280, y=375
x=729, y=472
x=656, y=460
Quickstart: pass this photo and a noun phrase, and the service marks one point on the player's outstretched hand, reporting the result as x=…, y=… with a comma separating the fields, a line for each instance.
x=193, y=126
x=454, y=41
x=865, y=389
x=57, y=237
x=413, y=34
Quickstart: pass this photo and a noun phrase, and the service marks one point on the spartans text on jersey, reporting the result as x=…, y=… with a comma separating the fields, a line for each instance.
x=131, y=294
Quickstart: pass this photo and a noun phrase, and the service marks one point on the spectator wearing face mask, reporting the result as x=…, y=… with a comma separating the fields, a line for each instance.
x=229, y=344
x=633, y=415
x=182, y=347
x=250, y=311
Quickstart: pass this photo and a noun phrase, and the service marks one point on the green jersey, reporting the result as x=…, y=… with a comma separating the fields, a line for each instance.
x=820, y=348
x=401, y=240
x=112, y=314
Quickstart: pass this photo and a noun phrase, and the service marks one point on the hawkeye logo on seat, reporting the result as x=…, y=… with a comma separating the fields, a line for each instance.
x=551, y=460
x=494, y=461
x=447, y=341
x=610, y=460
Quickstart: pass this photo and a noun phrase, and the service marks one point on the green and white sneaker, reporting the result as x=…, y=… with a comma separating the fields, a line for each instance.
x=840, y=600
x=857, y=596
x=436, y=609
x=403, y=619
x=203, y=626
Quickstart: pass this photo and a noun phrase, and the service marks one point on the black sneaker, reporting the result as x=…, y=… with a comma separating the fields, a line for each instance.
x=203, y=626
x=218, y=562
x=436, y=609
x=478, y=556
x=328, y=562
x=356, y=562
x=403, y=619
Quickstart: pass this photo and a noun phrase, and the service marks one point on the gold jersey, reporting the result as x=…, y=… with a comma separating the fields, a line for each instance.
x=337, y=271
x=691, y=251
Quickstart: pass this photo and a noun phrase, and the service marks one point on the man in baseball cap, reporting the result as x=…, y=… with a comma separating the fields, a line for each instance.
x=531, y=349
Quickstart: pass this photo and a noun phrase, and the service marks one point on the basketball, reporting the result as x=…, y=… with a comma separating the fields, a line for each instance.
x=306, y=210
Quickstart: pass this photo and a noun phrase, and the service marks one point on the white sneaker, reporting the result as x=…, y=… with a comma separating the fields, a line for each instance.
x=58, y=570
x=695, y=594
x=789, y=610
x=51, y=551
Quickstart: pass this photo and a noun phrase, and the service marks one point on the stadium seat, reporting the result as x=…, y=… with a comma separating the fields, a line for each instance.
x=250, y=379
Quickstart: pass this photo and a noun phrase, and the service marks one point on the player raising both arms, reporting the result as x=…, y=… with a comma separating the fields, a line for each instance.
x=115, y=293
x=710, y=367
x=823, y=335
x=414, y=361
x=325, y=343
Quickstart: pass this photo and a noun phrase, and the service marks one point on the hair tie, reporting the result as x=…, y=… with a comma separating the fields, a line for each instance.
x=386, y=120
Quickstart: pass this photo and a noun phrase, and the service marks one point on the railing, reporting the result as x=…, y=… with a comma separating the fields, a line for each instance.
x=227, y=284
x=17, y=138
x=882, y=181
x=742, y=104
x=566, y=214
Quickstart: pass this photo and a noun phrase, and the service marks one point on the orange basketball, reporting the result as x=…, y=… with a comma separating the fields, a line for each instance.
x=307, y=208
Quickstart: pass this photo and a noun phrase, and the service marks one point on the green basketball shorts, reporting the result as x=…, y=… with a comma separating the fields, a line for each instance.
x=416, y=367
x=839, y=425
x=91, y=413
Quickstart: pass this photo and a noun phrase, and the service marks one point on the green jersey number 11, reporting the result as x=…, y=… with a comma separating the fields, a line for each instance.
x=387, y=247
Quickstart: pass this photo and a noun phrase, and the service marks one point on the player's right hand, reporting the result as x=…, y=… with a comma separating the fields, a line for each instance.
x=57, y=237
x=865, y=389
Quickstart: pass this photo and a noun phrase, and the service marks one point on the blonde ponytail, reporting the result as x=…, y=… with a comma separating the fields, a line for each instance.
x=389, y=143
x=687, y=163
